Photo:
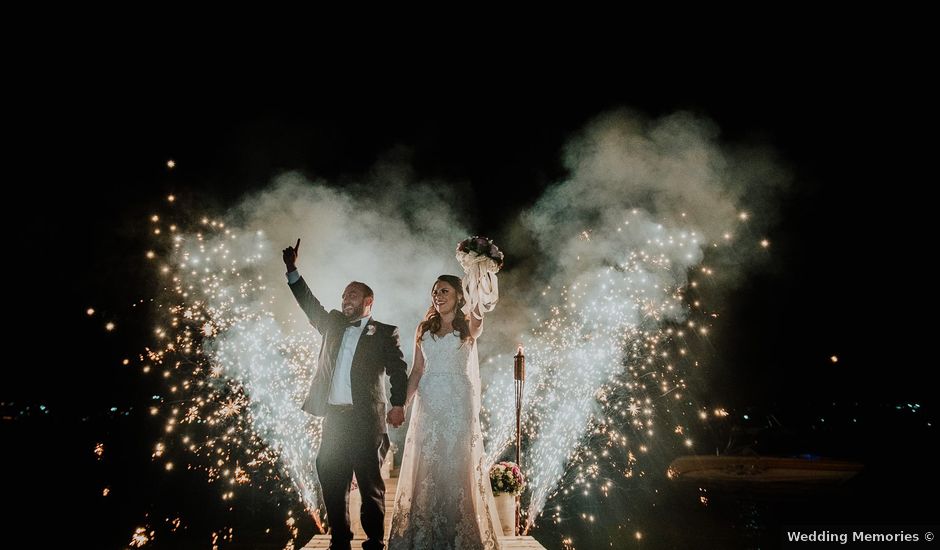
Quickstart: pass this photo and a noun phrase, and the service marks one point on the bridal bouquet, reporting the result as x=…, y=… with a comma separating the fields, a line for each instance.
x=481, y=260
x=506, y=477
x=472, y=248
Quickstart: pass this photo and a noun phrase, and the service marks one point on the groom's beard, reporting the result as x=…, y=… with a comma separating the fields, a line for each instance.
x=355, y=313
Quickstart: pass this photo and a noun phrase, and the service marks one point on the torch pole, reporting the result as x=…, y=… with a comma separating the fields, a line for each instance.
x=519, y=376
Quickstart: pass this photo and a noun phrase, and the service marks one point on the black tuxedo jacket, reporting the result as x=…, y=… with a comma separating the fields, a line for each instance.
x=377, y=353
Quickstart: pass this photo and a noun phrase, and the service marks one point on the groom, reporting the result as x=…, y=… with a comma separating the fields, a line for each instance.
x=349, y=390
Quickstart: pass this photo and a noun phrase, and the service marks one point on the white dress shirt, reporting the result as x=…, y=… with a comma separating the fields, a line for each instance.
x=341, y=390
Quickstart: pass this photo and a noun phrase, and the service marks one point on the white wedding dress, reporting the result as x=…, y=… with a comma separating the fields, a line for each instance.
x=444, y=498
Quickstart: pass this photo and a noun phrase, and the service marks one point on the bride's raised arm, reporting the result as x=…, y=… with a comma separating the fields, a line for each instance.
x=476, y=322
x=417, y=368
x=481, y=260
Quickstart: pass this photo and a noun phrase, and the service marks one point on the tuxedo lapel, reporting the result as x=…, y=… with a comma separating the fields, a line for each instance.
x=363, y=342
x=332, y=340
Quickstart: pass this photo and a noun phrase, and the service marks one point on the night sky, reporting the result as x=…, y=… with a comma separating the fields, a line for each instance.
x=843, y=275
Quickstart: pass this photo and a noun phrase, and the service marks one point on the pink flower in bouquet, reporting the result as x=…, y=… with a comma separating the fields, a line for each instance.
x=506, y=477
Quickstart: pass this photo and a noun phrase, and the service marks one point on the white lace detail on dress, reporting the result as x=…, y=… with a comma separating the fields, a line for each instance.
x=444, y=499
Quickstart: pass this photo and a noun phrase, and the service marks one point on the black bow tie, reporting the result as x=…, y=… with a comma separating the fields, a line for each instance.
x=356, y=324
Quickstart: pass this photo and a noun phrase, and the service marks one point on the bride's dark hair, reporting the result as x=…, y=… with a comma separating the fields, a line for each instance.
x=432, y=320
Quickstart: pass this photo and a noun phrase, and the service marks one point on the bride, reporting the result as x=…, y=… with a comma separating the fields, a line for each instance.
x=444, y=498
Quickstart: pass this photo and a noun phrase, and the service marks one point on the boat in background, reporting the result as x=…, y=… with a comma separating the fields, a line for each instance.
x=709, y=470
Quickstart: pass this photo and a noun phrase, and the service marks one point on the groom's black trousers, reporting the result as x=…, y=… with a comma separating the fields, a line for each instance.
x=350, y=443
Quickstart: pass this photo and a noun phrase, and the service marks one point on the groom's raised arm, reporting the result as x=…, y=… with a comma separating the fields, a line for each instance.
x=312, y=307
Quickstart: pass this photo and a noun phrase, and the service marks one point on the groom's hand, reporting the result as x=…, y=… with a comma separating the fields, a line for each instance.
x=396, y=416
x=290, y=256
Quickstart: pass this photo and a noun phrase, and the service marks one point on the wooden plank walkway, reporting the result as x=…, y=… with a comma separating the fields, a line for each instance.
x=322, y=542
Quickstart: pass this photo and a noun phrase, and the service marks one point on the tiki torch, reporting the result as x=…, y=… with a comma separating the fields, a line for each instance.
x=519, y=376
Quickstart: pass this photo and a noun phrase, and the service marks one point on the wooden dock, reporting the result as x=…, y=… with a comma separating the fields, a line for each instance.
x=322, y=542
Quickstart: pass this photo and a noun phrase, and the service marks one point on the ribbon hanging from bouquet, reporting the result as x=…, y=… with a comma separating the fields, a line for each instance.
x=481, y=260
x=480, y=285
